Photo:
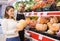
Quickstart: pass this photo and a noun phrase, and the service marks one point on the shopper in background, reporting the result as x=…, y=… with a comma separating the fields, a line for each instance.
x=53, y=6
x=50, y=5
x=20, y=16
x=20, y=12
x=9, y=25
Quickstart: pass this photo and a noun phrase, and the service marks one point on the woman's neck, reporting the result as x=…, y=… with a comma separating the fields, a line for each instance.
x=10, y=17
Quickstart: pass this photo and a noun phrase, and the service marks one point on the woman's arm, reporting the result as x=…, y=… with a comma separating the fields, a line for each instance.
x=4, y=26
x=6, y=29
x=21, y=25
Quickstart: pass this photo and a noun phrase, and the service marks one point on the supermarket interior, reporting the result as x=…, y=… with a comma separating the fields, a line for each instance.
x=29, y=20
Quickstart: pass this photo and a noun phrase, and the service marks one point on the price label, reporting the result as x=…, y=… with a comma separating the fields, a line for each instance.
x=45, y=13
x=39, y=14
x=27, y=14
x=32, y=13
x=40, y=37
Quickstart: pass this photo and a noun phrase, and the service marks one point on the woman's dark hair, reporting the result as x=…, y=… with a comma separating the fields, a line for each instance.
x=7, y=9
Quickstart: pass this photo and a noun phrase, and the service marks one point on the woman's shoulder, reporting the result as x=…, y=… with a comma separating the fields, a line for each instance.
x=11, y=20
x=7, y=20
x=4, y=19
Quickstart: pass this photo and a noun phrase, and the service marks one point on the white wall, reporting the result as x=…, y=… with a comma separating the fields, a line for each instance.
x=3, y=9
x=3, y=4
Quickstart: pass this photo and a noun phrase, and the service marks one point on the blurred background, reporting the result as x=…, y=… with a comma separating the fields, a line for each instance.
x=31, y=5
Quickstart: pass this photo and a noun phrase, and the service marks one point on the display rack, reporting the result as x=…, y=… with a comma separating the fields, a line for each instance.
x=37, y=36
x=49, y=13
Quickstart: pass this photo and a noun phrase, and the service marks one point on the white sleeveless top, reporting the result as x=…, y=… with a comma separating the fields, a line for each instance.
x=9, y=26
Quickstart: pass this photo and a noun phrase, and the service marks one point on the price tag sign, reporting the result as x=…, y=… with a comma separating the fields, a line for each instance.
x=39, y=14
x=40, y=37
x=32, y=13
x=27, y=14
x=45, y=13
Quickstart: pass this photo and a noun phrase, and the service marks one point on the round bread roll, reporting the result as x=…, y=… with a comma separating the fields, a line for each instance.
x=43, y=20
x=41, y=27
x=32, y=23
x=49, y=24
x=50, y=32
x=54, y=20
x=27, y=20
x=22, y=24
x=54, y=27
x=37, y=27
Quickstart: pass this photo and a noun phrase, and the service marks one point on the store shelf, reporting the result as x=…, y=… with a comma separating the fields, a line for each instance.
x=40, y=36
x=49, y=13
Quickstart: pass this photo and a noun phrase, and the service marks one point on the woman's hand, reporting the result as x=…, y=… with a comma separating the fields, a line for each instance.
x=21, y=25
x=17, y=30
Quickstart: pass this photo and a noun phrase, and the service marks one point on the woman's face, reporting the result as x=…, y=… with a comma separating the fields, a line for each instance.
x=10, y=12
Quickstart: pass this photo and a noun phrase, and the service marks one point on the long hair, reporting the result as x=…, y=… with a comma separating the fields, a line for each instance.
x=7, y=9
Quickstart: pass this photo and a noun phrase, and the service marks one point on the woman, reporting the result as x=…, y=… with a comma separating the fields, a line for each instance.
x=20, y=16
x=9, y=25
